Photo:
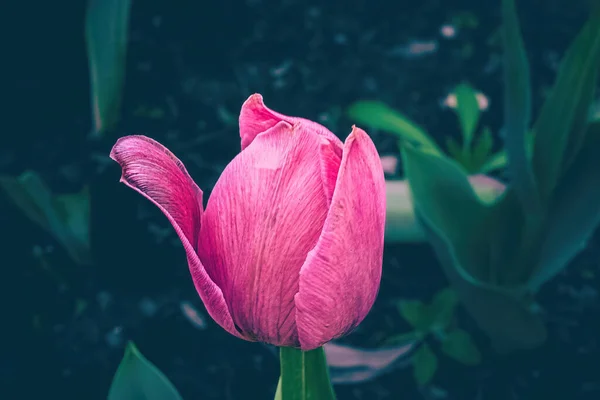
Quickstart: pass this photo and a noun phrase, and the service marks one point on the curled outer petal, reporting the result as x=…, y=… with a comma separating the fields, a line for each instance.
x=154, y=172
x=340, y=278
x=256, y=118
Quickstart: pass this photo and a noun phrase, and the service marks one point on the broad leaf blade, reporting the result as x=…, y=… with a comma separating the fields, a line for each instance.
x=459, y=345
x=443, y=306
x=138, y=379
x=401, y=224
x=380, y=116
x=400, y=221
x=560, y=126
x=443, y=196
x=517, y=110
x=496, y=161
x=499, y=311
x=416, y=314
x=106, y=29
x=425, y=364
x=65, y=217
x=574, y=213
x=481, y=149
x=468, y=111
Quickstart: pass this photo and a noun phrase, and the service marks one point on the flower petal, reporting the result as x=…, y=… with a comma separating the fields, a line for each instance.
x=340, y=279
x=153, y=171
x=256, y=118
x=263, y=216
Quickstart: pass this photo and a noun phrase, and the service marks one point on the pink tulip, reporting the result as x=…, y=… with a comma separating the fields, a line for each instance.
x=289, y=248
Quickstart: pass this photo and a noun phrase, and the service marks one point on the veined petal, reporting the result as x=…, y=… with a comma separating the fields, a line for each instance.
x=340, y=279
x=264, y=215
x=256, y=118
x=153, y=171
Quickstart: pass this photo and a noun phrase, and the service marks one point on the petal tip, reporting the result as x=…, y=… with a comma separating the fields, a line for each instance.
x=358, y=133
x=254, y=100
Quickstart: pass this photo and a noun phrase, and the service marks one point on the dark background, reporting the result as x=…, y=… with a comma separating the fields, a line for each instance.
x=190, y=64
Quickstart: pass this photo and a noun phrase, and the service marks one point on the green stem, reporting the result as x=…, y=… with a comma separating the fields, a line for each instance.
x=304, y=375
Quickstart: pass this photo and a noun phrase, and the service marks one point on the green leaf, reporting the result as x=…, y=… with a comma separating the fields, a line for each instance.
x=139, y=379
x=445, y=199
x=517, y=110
x=443, y=306
x=457, y=152
x=506, y=226
x=494, y=162
x=65, y=217
x=459, y=345
x=304, y=375
x=416, y=314
x=425, y=364
x=468, y=111
x=106, y=29
x=403, y=338
x=482, y=148
x=380, y=116
x=400, y=221
x=499, y=311
x=560, y=128
x=574, y=213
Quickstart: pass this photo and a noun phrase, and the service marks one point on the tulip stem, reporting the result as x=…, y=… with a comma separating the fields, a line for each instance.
x=304, y=375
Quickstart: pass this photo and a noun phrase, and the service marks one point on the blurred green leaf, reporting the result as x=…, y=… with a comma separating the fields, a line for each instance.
x=400, y=221
x=65, y=217
x=506, y=226
x=574, y=213
x=494, y=162
x=443, y=306
x=468, y=112
x=517, y=110
x=560, y=127
x=445, y=199
x=457, y=225
x=416, y=314
x=459, y=345
x=106, y=31
x=403, y=338
x=138, y=379
x=425, y=364
x=457, y=152
x=499, y=311
x=380, y=116
x=482, y=148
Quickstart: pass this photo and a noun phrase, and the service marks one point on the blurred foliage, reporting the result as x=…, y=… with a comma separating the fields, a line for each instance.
x=497, y=256
x=138, y=379
x=435, y=321
x=106, y=32
x=474, y=153
x=66, y=216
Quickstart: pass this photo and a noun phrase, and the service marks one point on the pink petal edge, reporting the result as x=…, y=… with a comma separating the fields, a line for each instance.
x=340, y=278
x=152, y=170
x=256, y=117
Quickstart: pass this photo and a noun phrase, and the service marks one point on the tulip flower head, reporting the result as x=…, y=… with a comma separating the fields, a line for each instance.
x=289, y=248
